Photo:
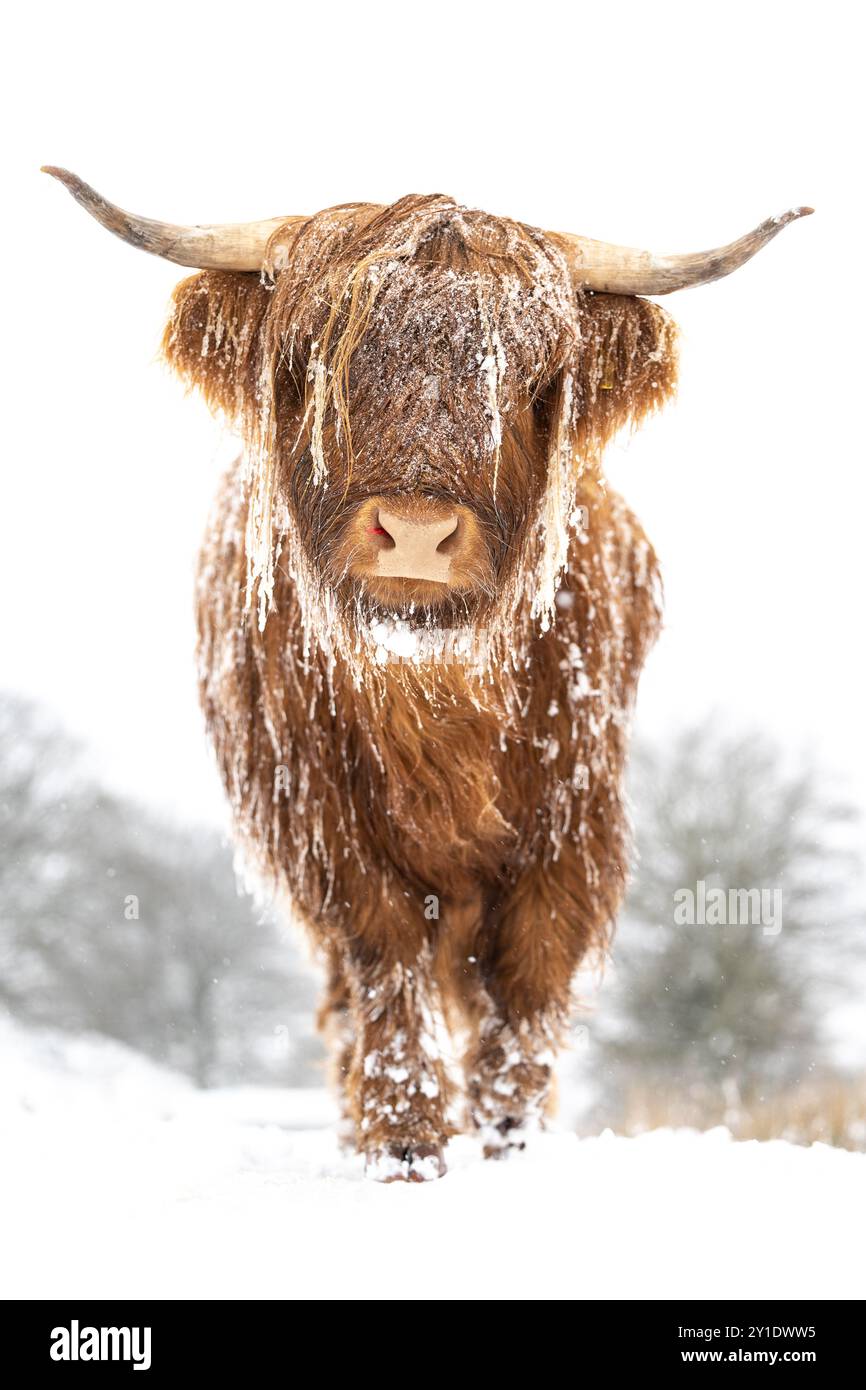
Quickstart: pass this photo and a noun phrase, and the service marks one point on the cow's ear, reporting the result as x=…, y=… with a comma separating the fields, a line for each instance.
x=627, y=366
x=213, y=337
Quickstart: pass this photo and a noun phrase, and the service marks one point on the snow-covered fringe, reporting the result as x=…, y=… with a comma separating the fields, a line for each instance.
x=371, y=294
x=531, y=308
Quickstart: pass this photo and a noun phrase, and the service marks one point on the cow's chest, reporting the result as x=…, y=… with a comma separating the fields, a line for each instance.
x=436, y=769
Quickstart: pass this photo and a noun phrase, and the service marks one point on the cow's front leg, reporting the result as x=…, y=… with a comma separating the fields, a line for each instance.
x=517, y=992
x=397, y=1085
x=509, y=1073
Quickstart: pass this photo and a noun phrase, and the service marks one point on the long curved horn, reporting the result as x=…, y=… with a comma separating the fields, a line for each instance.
x=597, y=265
x=232, y=246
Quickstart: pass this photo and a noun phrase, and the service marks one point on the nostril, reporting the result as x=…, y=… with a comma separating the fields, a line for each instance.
x=386, y=540
x=449, y=543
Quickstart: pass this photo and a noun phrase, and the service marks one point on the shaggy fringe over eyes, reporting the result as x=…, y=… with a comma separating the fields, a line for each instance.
x=406, y=336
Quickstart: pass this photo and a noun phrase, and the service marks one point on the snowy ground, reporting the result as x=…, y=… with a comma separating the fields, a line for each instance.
x=121, y=1180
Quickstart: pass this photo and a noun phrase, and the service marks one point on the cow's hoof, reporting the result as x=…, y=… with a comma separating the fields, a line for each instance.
x=503, y=1139
x=503, y=1150
x=405, y=1163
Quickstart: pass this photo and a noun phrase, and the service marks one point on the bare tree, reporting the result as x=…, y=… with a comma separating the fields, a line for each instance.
x=728, y=1005
x=116, y=922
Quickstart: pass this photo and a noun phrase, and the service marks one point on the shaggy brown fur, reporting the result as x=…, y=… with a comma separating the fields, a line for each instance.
x=432, y=773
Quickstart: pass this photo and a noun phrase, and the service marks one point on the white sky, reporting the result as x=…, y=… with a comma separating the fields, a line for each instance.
x=673, y=126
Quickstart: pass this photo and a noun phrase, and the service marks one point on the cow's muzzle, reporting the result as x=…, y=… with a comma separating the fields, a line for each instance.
x=416, y=538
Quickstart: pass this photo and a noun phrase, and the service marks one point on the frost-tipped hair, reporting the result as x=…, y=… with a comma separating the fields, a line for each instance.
x=392, y=348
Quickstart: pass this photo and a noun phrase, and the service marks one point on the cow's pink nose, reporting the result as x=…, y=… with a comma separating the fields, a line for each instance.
x=422, y=549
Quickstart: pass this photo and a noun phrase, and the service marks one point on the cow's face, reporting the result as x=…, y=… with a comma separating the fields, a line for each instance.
x=418, y=495
x=421, y=407
x=420, y=391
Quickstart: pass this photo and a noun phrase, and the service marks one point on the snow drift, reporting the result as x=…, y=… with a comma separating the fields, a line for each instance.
x=121, y=1180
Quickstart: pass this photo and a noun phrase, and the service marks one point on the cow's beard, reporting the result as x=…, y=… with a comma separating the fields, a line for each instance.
x=448, y=628
x=418, y=605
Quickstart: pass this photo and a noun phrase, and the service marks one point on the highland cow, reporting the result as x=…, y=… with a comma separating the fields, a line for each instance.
x=422, y=616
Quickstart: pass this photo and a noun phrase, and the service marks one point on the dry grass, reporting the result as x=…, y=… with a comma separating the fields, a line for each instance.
x=830, y=1110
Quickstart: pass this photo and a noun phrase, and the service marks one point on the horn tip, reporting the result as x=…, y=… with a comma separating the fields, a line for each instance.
x=791, y=215
x=65, y=176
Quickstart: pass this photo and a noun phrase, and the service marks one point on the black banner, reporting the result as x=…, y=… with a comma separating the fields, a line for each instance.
x=155, y=1339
